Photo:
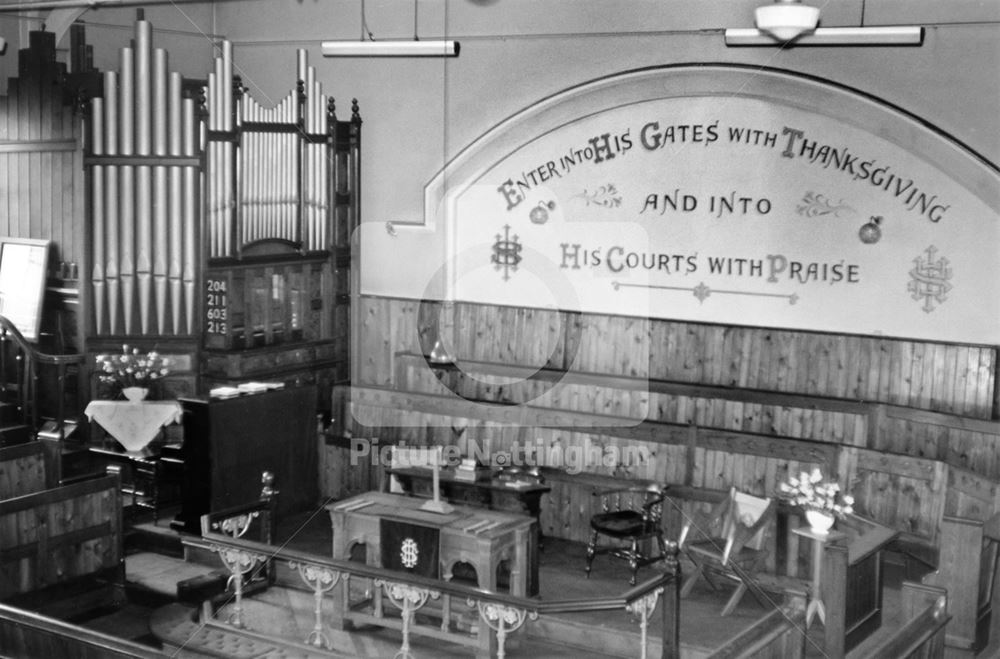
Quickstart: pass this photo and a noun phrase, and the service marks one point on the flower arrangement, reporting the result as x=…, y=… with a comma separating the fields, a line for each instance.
x=811, y=492
x=131, y=368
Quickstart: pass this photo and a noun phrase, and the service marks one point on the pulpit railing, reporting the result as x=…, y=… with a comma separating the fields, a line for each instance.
x=498, y=615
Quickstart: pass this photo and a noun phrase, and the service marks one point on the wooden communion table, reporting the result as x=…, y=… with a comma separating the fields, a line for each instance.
x=480, y=537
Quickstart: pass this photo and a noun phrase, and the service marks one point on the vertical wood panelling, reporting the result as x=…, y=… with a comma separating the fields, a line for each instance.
x=953, y=379
x=37, y=172
x=891, y=460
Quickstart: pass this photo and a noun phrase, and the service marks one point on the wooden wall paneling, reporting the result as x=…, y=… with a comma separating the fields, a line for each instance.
x=961, y=404
x=987, y=385
x=774, y=368
x=970, y=495
x=685, y=355
x=659, y=350
x=804, y=344
x=13, y=171
x=750, y=416
x=979, y=383
x=730, y=356
x=713, y=352
x=940, y=389
x=715, y=412
x=678, y=350
x=958, y=364
x=750, y=356
x=827, y=367
x=987, y=407
x=716, y=476
x=23, y=228
x=840, y=374
x=405, y=328
x=904, y=493
x=868, y=375
x=470, y=336
x=799, y=344
x=820, y=380
x=507, y=324
x=374, y=358
x=978, y=395
x=489, y=336
x=901, y=388
x=856, y=368
x=881, y=370
x=941, y=396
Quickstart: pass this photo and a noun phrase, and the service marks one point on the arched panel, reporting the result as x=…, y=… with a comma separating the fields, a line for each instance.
x=713, y=194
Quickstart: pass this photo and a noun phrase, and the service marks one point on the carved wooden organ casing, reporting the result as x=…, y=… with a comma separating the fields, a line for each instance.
x=219, y=225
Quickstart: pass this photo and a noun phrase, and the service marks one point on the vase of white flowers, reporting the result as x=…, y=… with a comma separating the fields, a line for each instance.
x=819, y=498
x=131, y=372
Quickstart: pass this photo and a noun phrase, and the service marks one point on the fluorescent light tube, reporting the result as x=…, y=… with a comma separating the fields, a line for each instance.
x=832, y=36
x=414, y=48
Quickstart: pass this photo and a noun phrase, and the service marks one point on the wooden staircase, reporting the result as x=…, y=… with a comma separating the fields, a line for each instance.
x=39, y=394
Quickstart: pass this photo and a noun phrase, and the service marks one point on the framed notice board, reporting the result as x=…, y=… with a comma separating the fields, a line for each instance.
x=23, y=269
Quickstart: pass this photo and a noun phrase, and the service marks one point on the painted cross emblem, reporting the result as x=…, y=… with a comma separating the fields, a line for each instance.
x=506, y=252
x=929, y=279
x=409, y=553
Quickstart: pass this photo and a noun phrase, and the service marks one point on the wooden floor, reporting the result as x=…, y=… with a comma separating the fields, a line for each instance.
x=561, y=576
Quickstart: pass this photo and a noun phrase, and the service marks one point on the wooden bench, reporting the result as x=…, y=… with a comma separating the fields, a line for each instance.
x=55, y=537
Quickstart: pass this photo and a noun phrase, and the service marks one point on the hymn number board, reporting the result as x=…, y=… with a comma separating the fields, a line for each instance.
x=216, y=310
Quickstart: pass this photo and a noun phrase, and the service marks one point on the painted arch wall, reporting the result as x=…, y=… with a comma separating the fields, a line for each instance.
x=721, y=194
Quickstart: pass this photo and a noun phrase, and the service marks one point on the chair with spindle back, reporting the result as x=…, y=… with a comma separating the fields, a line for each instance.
x=631, y=518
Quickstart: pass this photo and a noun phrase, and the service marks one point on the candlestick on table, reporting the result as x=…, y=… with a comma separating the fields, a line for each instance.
x=436, y=505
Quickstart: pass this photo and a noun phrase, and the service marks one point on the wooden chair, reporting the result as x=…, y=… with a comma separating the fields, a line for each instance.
x=631, y=516
x=733, y=547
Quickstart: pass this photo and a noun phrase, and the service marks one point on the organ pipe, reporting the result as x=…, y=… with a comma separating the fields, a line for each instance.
x=171, y=185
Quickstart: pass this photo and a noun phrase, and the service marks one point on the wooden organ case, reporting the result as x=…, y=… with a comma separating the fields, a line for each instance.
x=220, y=228
x=283, y=188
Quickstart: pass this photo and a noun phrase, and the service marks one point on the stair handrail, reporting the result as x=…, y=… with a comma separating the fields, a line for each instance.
x=27, y=374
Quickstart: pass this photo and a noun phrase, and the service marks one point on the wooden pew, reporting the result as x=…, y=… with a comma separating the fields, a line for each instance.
x=24, y=470
x=925, y=618
x=967, y=565
x=61, y=537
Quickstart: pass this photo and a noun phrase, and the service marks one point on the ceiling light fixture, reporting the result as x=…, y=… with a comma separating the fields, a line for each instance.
x=789, y=22
x=786, y=19
x=399, y=48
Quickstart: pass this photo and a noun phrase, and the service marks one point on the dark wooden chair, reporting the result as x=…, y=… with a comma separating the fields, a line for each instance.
x=631, y=518
x=733, y=546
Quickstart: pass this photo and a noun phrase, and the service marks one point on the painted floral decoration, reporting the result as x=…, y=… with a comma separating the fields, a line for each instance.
x=131, y=368
x=810, y=492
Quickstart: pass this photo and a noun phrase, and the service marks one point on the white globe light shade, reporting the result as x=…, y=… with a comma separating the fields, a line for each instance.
x=787, y=20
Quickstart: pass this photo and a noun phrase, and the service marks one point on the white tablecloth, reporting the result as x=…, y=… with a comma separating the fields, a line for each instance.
x=134, y=425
